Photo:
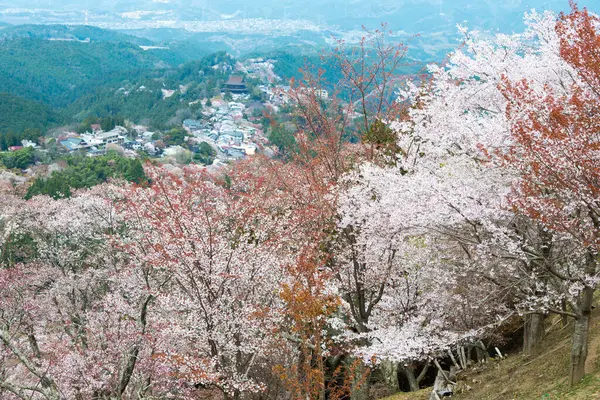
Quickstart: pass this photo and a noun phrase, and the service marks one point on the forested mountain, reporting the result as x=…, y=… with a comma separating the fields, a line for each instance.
x=48, y=82
x=18, y=114
x=58, y=72
x=140, y=97
x=92, y=71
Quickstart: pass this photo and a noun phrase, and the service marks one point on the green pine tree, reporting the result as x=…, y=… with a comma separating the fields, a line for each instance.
x=135, y=172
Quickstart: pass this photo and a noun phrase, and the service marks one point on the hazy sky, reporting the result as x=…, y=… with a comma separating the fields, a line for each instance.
x=413, y=16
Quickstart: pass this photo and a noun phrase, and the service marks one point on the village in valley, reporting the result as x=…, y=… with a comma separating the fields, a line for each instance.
x=230, y=127
x=219, y=111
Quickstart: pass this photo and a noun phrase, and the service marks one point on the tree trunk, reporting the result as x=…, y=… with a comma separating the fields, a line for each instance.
x=390, y=375
x=579, y=349
x=581, y=330
x=482, y=352
x=564, y=319
x=440, y=385
x=481, y=355
x=533, y=333
x=453, y=359
x=409, y=371
x=441, y=371
x=423, y=373
x=463, y=357
x=360, y=383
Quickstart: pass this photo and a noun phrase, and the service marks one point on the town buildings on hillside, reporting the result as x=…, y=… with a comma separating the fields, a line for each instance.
x=95, y=142
x=227, y=129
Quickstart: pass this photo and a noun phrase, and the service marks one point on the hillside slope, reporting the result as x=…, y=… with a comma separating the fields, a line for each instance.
x=57, y=72
x=543, y=377
x=18, y=114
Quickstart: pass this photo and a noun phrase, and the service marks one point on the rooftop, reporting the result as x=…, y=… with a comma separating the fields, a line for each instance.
x=71, y=143
x=105, y=135
x=235, y=80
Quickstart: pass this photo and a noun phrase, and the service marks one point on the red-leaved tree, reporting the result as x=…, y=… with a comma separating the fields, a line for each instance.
x=555, y=153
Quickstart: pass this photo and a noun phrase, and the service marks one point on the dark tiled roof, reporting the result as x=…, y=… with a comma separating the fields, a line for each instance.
x=235, y=80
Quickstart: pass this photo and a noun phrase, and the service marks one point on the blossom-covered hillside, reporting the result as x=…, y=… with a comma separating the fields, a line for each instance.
x=405, y=234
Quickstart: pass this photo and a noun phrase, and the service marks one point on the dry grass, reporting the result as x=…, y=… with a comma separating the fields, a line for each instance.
x=420, y=395
x=541, y=378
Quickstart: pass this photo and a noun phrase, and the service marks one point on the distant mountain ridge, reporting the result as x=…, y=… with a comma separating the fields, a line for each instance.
x=78, y=32
x=193, y=25
x=413, y=16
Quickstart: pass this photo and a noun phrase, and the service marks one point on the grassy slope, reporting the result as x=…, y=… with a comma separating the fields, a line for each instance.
x=540, y=378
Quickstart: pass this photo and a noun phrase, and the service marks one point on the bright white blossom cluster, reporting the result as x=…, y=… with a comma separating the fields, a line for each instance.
x=443, y=211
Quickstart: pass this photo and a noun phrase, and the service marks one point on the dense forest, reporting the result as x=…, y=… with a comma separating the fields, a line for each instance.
x=62, y=32
x=18, y=114
x=140, y=97
x=60, y=72
x=45, y=83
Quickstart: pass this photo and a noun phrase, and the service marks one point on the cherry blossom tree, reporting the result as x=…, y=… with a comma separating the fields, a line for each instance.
x=554, y=153
x=214, y=268
x=72, y=325
x=299, y=197
x=362, y=98
x=442, y=190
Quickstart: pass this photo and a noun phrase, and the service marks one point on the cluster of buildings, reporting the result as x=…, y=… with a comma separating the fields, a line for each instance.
x=227, y=127
x=277, y=95
x=231, y=128
x=25, y=143
x=97, y=141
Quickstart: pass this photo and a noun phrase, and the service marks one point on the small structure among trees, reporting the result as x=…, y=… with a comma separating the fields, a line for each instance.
x=235, y=84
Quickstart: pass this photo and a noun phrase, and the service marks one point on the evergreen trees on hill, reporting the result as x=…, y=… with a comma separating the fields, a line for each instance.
x=18, y=115
x=59, y=72
x=19, y=159
x=85, y=172
x=46, y=83
x=72, y=32
x=140, y=97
